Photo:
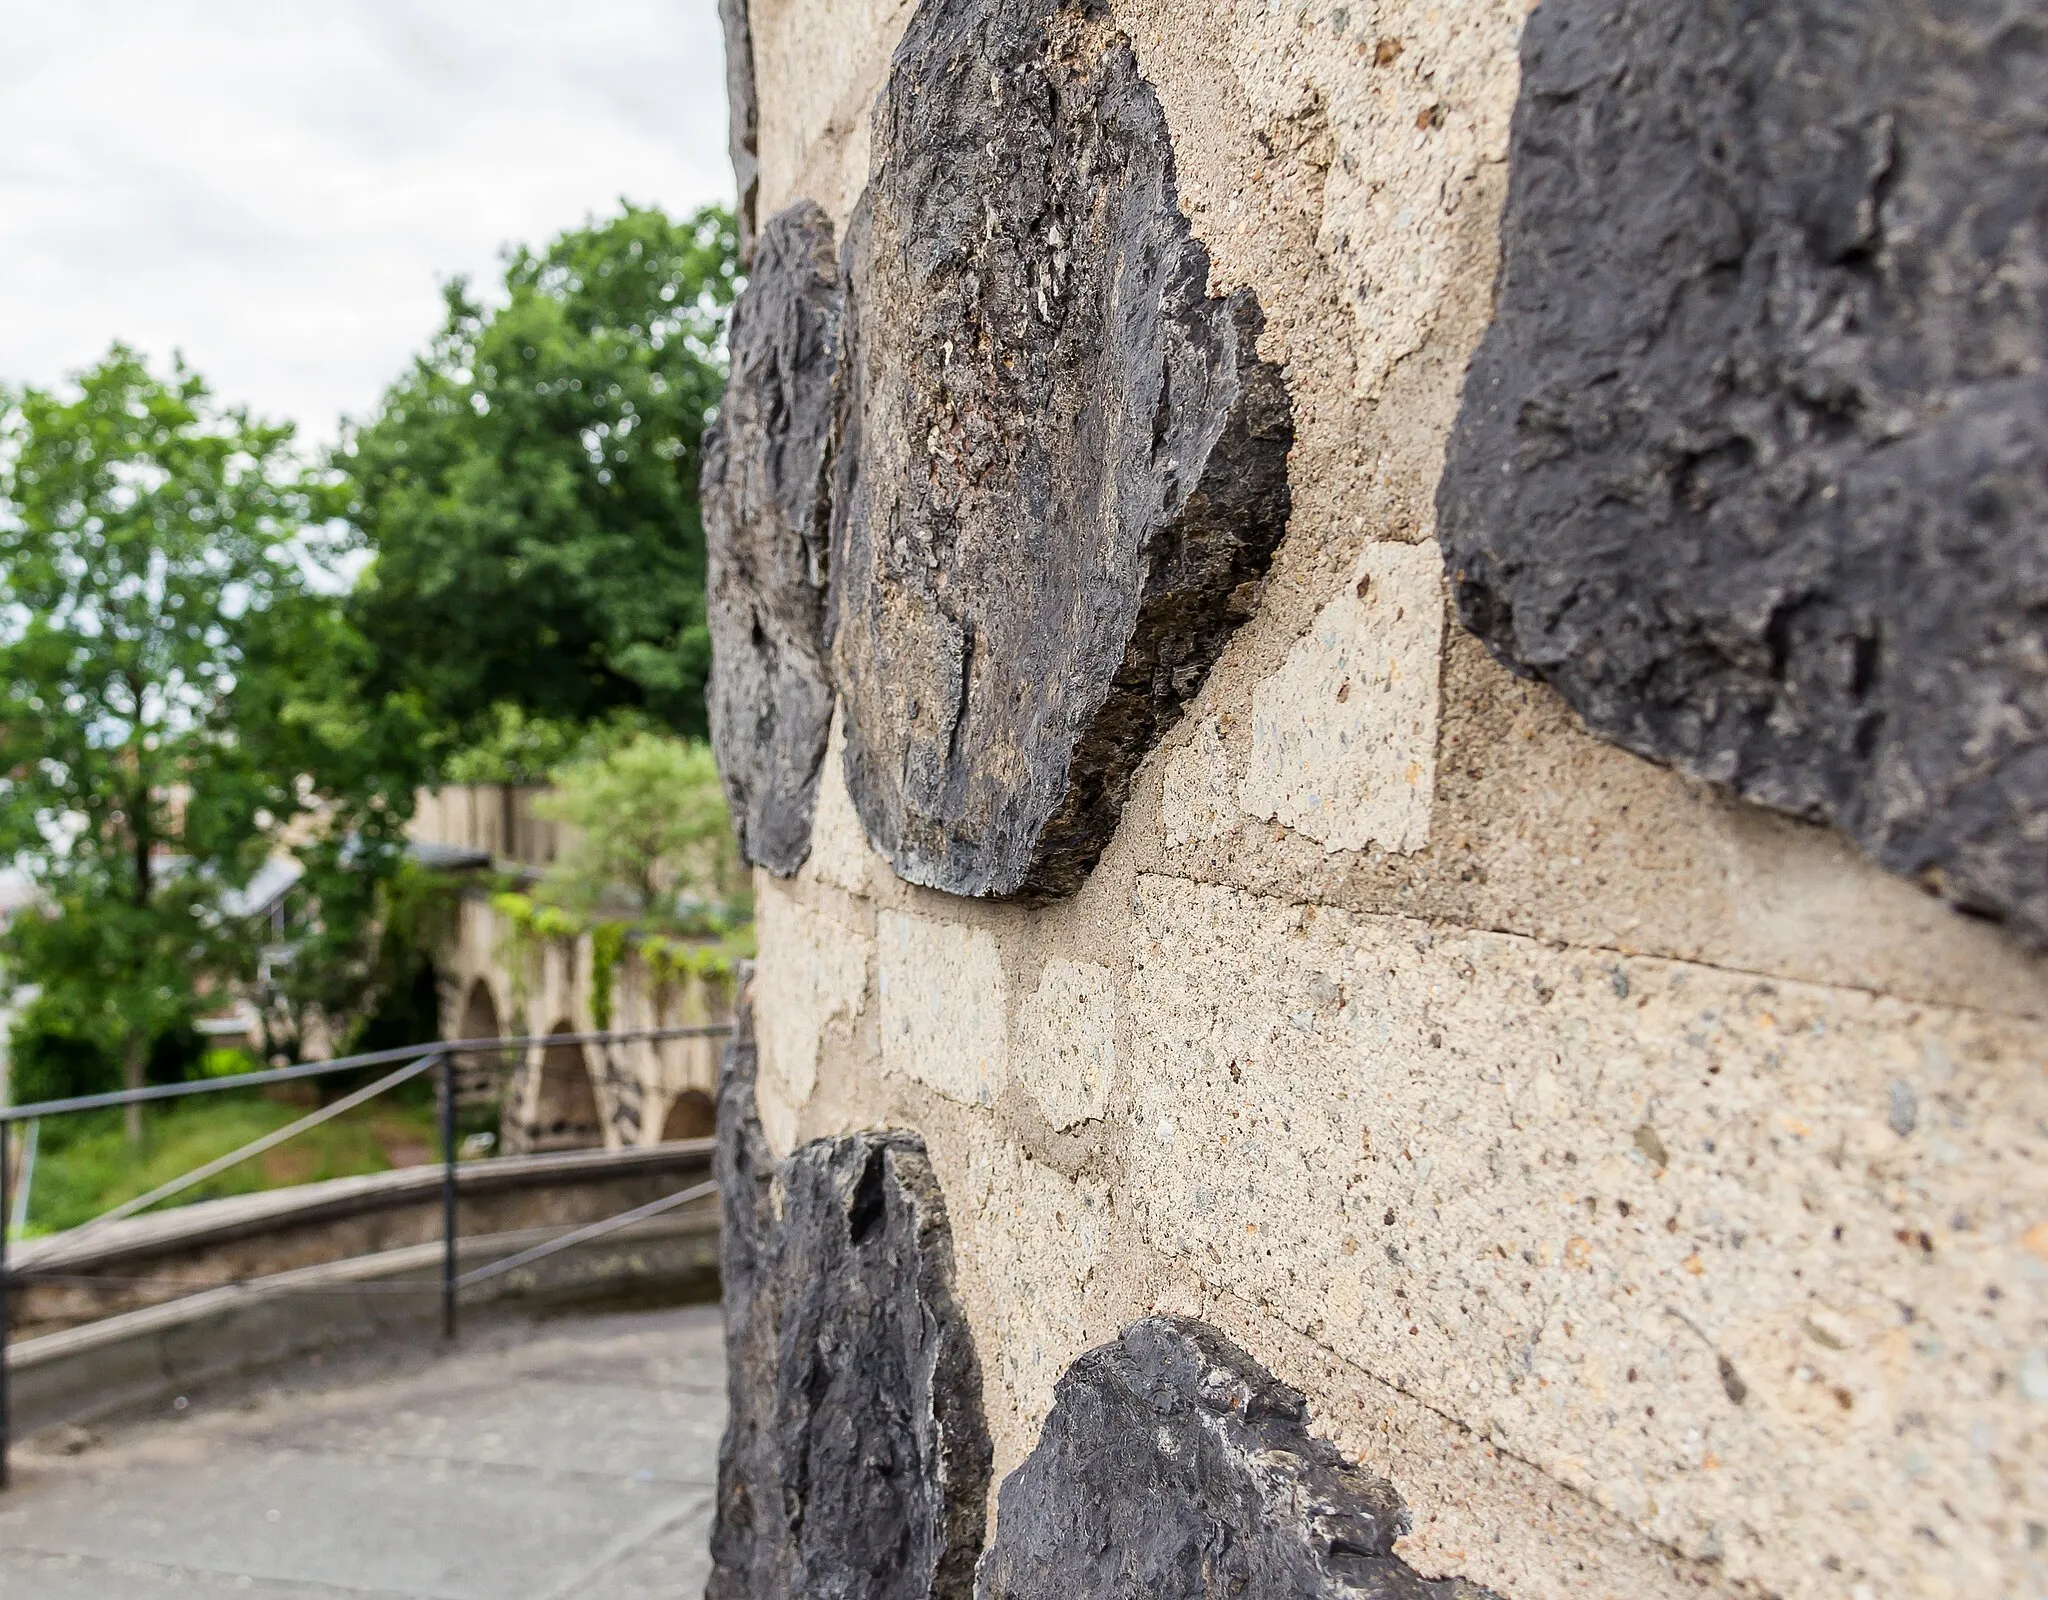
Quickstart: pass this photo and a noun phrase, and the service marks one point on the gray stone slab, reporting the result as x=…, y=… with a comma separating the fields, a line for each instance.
x=1750, y=463
x=673, y=1565
x=1062, y=466
x=517, y=1468
x=25, y=1575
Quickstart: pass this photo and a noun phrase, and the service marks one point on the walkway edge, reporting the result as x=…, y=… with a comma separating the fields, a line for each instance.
x=158, y=1352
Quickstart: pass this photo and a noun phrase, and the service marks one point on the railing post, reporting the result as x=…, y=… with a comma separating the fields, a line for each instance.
x=6, y=1430
x=448, y=1195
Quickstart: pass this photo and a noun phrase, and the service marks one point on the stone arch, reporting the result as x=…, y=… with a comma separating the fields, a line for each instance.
x=480, y=1018
x=565, y=1113
x=691, y=1115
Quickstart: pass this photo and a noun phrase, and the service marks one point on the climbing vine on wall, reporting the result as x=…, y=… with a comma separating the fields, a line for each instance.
x=668, y=957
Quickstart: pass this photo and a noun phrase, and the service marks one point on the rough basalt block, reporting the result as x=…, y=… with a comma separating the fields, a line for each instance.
x=855, y=1462
x=1751, y=464
x=1063, y=465
x=764, y=487
x=1174, y=1466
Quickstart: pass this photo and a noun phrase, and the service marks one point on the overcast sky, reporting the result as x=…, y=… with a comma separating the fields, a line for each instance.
x=278, y=187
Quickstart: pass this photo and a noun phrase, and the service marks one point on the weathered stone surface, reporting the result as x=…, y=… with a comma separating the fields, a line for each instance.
x=856, y=1459
x=1750, y=464
x=1066, y=1042
x=744, y=131
x=812, y=988
x=945, y=1006
x=1501, y=1177
x=1062, y=459
x=765, y=463
x=1344, y=734
x=1174, y=1466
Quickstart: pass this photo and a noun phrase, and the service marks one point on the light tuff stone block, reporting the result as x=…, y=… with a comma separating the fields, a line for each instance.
x=1038, y=1240
x=811, y=977
x=1652, y=1227
x=944, y=1006
x=1065, y=1056
x=1402, y=105
x=1343, y=745
x=1198, y=802
x=840, y=854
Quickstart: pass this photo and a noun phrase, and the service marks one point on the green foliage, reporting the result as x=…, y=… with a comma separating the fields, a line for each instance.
x=652, y=836
x=175, y=690
x=85, y=1166
x=529, y=489
x=146, y=537
x=52, y=1058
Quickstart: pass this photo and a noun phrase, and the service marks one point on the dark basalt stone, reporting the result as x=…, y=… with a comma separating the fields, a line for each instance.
x=855, y=1463
x=1751, y=464
x=1062, y=460
x=1174, y=1466
x=764, y=486
x=743, y=135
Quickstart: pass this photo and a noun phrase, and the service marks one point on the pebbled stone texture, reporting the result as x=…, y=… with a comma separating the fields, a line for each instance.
x=744, y=112
x=1063, y=462
x=1174, y=1466
x=855, y=1463
x=1750, y=464
x=765, y=464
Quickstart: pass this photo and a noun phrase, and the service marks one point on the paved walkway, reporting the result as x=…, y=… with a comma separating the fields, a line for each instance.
x=565, y=1460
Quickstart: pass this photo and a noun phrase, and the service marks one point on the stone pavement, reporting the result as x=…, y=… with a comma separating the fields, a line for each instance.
x=558, y=1460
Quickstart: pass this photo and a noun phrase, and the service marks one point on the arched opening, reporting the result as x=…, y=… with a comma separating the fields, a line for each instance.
x=479, y=1013
x=481, y=1076
x=565, y=1111
x=691, y=1115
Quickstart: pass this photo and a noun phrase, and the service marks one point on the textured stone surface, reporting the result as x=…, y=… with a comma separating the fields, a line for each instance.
x=1066, y=1042
x=812, y=986
x=945, y=1006
x=1039, y=1245
x=840, y=854
x=1650, y=1227
x=765, y=462
x=1174, y=1466
x=1063, y=463
x=1751, y=465
x=743, y=137
x=1344, y=734
x=856, y=1459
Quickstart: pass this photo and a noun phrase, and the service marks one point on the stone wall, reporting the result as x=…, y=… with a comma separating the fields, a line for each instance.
x=568, y=1097
x=1645, y=1183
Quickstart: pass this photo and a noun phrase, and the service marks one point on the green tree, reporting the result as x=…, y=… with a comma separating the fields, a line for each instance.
x=529, y=488
x=171, y=689
x=650, y=832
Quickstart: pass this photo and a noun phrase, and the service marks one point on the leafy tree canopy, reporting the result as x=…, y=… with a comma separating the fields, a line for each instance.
x=648, y=832
x=171, y=689
x=529, y=488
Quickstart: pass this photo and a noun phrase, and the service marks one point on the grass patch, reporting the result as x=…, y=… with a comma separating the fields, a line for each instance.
x=86, y=1165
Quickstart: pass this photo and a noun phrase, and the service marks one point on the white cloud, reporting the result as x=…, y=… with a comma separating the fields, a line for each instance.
x=279, y=187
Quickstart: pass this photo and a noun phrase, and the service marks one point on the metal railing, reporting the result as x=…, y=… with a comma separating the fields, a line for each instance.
x=414, y=1061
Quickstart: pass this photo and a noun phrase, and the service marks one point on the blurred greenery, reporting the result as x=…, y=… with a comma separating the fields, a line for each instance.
x=650, y=835
x=85, y=1165
x=529, y=489
x=191, y=690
